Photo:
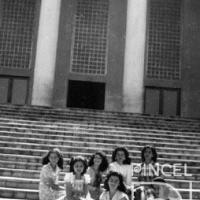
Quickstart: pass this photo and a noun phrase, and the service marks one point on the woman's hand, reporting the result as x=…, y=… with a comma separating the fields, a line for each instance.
x=52, y=184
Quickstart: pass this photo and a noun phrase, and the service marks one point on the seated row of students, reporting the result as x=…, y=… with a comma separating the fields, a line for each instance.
x=83, y=181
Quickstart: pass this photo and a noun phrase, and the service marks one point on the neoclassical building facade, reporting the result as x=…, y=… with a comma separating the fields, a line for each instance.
x=139, y=56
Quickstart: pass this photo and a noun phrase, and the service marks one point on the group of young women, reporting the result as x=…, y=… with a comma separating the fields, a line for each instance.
x=85, y=179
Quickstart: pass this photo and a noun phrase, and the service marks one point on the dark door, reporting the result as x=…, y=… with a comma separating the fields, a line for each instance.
x=84, y=94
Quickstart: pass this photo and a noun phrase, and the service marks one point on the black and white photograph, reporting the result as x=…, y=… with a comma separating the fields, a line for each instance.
x=99, y=99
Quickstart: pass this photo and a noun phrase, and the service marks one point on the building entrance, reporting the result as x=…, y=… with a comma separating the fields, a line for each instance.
x=84, y=94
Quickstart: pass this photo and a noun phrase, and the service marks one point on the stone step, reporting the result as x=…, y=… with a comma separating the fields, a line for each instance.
x=19, y=183
x=85, y=148
x=26, y=173
x=41, y=138
x=96, y=135
x=68, y=152
x=93, y=120
x=97, y=113
x=98, y=128
x=82, y=112
x=15, y=193
x=133, y=147
x=61, y=111
x=136, y=135
x=99, y=136
x=96, y=122
x=23, y=161
x=50, y=110
x=62, y=136
x=16, y=163
x=19, y=173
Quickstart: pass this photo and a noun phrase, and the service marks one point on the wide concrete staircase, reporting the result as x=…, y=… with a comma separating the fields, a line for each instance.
x=26, y=133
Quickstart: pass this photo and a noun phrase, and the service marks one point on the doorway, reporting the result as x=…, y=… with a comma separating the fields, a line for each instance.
x=162, y=101
x=85, y=94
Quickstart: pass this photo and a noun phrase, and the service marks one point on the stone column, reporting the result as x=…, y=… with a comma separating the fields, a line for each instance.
x=46, y=53
x=133, y=82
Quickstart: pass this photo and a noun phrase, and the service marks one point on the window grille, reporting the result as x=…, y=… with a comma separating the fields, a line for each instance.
x=16, y=33
x=90, y=37
x=164, y=38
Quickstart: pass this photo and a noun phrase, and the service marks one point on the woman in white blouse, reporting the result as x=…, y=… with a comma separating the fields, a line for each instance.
x=121, y=163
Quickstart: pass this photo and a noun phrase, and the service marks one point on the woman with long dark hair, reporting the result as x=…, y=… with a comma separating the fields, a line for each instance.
x=52, y=165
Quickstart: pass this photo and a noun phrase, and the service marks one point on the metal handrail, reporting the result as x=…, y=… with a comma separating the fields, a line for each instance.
x=190, y=189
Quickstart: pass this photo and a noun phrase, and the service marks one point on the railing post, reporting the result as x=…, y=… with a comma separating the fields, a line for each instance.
x=190, y=190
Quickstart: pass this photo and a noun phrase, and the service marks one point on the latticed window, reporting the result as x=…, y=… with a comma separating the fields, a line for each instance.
x=90, y=37
x=164, y=37
x=16, y=33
